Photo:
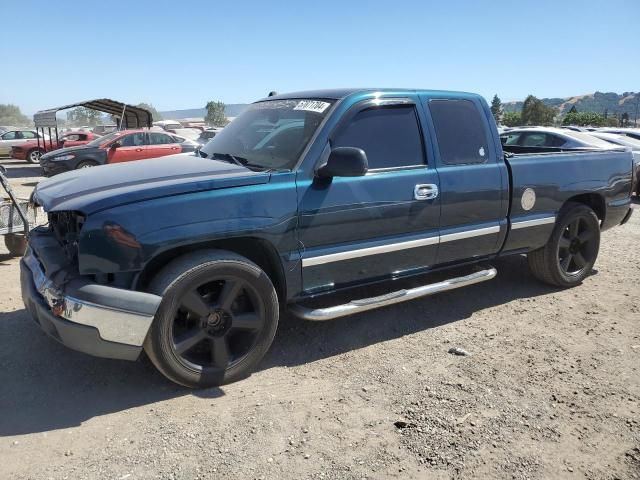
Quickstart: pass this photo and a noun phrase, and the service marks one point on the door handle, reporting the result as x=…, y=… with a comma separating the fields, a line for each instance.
x=425, y=191
x=138, y=149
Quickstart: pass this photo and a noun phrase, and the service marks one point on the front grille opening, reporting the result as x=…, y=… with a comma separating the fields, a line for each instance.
x=66, y=227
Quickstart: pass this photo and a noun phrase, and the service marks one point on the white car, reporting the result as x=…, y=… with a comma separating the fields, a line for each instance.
x=17, y=137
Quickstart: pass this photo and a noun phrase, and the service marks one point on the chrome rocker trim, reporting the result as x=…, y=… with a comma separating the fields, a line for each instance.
x=362, y=305
x=532, y=223
x=114, y=325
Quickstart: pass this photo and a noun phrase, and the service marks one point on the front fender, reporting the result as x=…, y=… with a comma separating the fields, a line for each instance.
x=126, y=238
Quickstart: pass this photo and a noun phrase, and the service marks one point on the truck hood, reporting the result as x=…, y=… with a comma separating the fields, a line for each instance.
x=92, y=189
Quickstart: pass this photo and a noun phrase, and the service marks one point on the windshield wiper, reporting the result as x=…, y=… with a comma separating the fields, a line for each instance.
x=243, y=162
x=237, y=160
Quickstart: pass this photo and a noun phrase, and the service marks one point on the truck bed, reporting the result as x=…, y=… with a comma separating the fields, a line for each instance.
x=555, y=176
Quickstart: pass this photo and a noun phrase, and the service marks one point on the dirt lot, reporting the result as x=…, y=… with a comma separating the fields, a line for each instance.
x=551, y=389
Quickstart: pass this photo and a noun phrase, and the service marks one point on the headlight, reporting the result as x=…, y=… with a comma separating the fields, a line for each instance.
x=64, y=157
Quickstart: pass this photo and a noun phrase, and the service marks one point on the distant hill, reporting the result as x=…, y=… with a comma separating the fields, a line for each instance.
x=231, y=110
x=596, y=102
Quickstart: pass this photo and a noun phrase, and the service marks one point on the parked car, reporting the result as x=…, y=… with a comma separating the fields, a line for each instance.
x=167, y=124
x=6, y=128
x=525, y=139
x=190, y=133
x=116, y=147
x=16, y=137
x=104, y=129
x=629, y=132
x=193, y=257
x=207, y=135
x=628, y=142
x=31, y=151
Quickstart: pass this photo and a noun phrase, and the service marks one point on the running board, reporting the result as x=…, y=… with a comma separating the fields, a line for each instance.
x=362, y=305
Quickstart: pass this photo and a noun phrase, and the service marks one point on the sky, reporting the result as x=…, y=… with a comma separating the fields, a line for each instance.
x=182, y=53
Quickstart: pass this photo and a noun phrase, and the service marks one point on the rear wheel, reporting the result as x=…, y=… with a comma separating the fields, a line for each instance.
x=87, y=164
x=15, y=243
x=571, y=252
x=217, y=318
x=33, y=156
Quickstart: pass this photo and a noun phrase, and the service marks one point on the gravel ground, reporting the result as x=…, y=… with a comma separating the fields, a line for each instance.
x=550, y=389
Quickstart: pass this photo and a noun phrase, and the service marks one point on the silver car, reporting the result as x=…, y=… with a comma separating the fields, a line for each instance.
x=13, y=138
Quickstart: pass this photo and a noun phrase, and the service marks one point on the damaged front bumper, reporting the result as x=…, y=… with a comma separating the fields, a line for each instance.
x=96, y=319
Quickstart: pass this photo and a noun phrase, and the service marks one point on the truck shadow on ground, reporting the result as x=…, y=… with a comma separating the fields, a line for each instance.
x=45, y=386
x=298, y=341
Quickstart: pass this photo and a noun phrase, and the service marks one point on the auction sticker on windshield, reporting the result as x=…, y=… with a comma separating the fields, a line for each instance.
x=312, y=106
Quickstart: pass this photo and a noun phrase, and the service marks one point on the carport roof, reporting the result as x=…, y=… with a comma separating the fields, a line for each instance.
x=134, y=117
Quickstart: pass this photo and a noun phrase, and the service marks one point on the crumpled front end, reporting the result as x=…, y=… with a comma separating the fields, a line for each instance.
x=100, y=320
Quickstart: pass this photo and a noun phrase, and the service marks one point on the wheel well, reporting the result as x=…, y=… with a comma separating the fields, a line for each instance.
x=593, y=200
x=259, y=251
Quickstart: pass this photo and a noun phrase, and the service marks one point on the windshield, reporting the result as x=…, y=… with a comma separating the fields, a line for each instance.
x=100, y=140
x=270, y=134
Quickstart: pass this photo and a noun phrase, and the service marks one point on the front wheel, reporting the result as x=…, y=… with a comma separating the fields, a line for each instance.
x=571, y=252
x=217, y=318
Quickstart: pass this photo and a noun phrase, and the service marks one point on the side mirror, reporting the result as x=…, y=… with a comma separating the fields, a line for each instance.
x=115, y=145
x=344, y=162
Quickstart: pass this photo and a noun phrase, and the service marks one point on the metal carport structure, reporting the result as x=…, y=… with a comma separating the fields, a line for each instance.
x=129, y=116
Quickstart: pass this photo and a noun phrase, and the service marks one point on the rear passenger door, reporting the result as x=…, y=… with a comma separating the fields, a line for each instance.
x=161, y=144
x=380, y=225
x=473, y=180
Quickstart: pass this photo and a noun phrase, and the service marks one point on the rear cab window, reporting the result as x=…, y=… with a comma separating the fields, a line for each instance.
x=460, y=131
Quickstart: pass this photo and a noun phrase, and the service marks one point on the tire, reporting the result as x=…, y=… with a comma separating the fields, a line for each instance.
x=15, y=243
x=86, y=164
x=571, y=252
x=33, y=156
x=226, y=327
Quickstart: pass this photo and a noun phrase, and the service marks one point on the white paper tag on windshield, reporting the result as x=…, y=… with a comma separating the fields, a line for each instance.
x=312, y=106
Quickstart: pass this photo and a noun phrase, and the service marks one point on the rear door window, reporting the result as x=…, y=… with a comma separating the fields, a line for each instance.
x=160, y=139
x=461, y=134
x=28, y=135
x=390, y=136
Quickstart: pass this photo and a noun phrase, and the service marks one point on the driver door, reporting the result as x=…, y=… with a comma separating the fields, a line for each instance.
x=132, y=147
x=381, y=225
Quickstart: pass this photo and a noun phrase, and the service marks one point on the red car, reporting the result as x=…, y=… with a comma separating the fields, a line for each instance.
x=122, y=146
x=30, y=151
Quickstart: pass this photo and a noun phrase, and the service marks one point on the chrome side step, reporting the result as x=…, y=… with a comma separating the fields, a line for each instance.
x=362, y=305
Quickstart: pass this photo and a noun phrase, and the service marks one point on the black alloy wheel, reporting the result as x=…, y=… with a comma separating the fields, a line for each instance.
x=571, y=251
x=217, y=319
x=217, y=324
x=577, y=247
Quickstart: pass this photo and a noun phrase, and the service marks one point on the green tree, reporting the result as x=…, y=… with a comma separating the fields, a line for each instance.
x=535, y=112
x=511, y=119
x=496, y=108
x=585, y=119
x=215, y=114
x=80, y=116
x=152, y=109
x=573, y=109
x=624, y=119
x=11, y=115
